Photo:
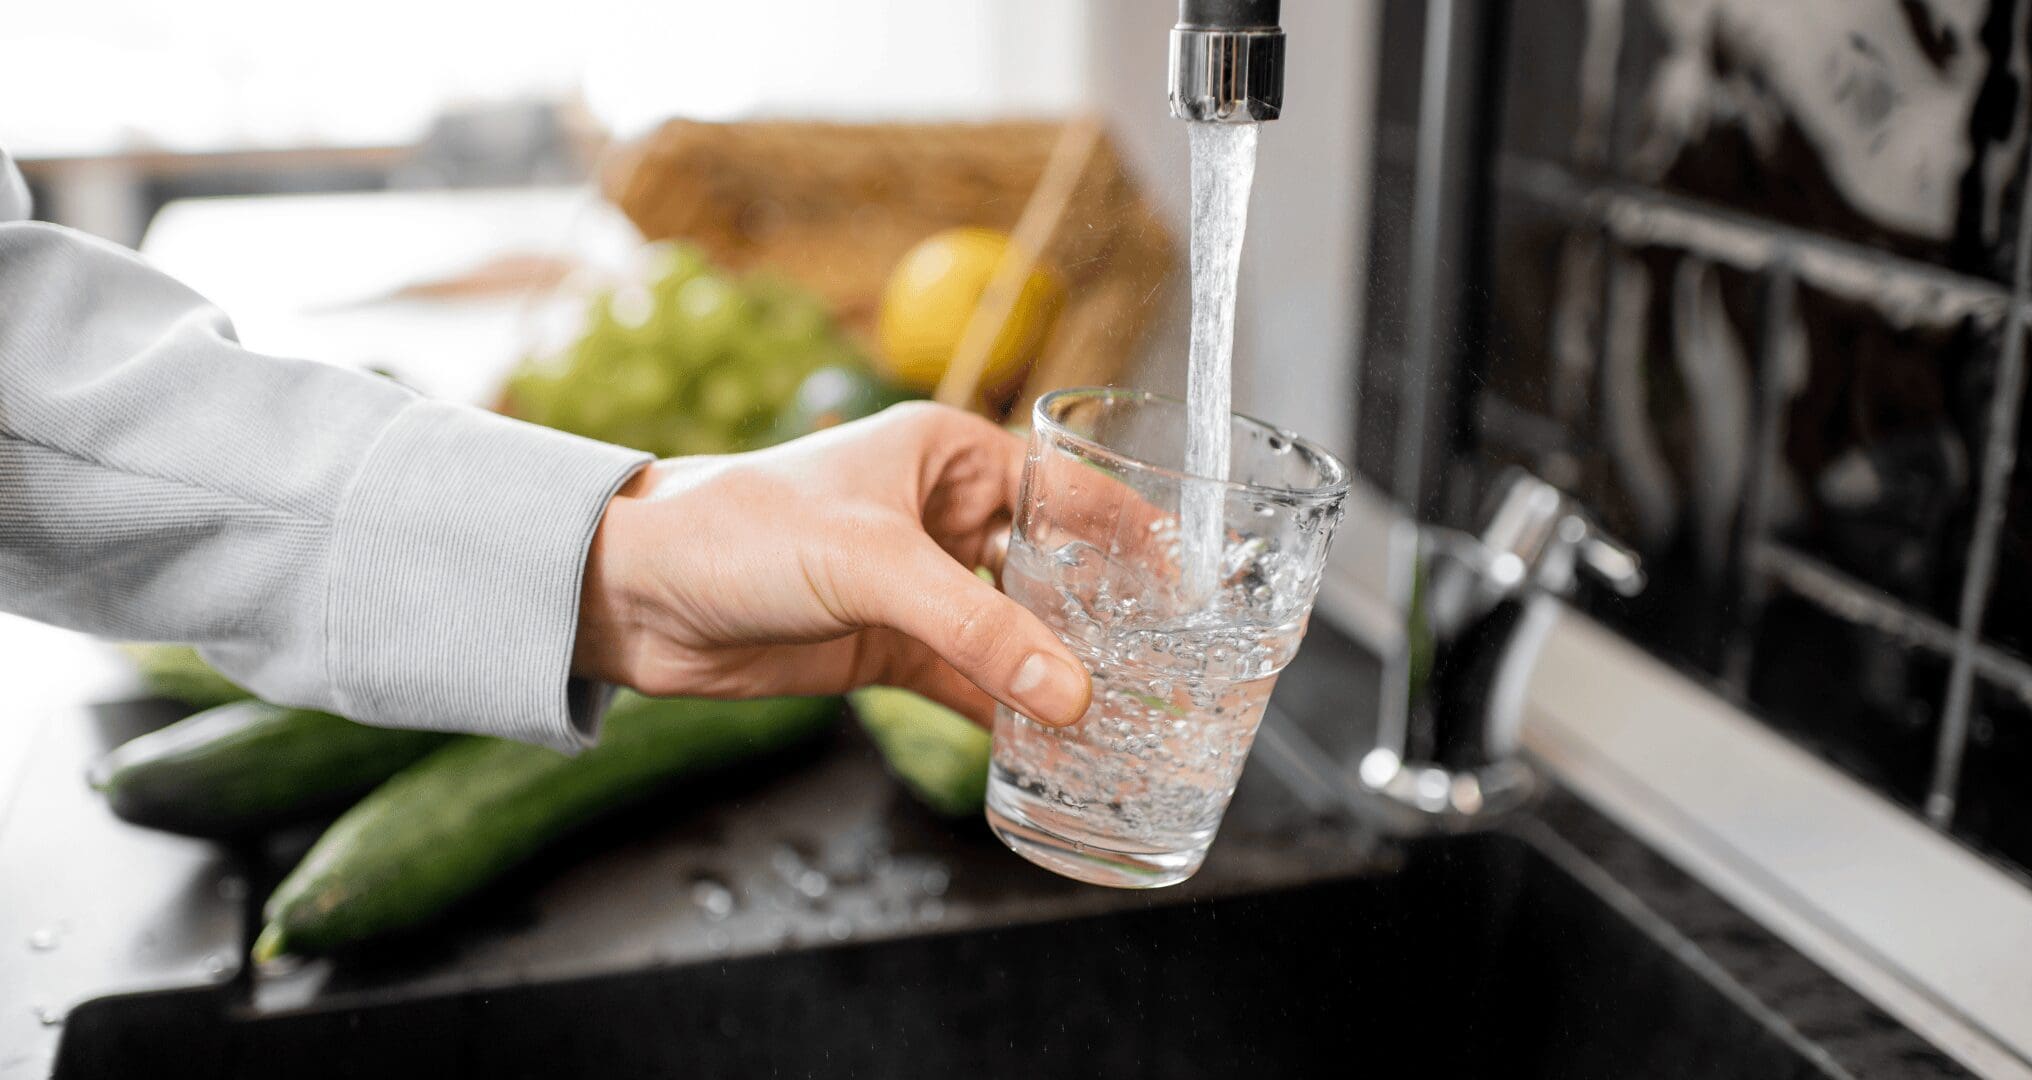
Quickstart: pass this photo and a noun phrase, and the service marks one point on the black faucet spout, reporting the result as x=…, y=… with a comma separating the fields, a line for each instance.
x=1228, y=14
x=1227, y=62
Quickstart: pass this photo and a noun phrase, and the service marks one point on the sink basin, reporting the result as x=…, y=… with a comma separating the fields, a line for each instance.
x=1476, y=957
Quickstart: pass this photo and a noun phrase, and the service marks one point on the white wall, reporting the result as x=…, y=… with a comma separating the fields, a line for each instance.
x=95, y=76
x=1301, y=285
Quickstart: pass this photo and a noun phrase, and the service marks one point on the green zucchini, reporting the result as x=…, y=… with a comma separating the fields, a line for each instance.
x=454, y=822
x=178, y=673
x=248, y=766
x=941, y=756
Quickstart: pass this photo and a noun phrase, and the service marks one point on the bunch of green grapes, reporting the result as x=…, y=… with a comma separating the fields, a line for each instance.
x=687, y=360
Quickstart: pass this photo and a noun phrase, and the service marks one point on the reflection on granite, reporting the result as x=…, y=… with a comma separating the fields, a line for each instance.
x=1863, y=701
x=1992, y=816
x=2007, y=620
x=1566, y=52
x=1545, y=312
x=1881, y=435
x=1853, y=1034
x=1902, y=125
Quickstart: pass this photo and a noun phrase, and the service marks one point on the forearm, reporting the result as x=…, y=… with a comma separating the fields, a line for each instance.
x=327, y=537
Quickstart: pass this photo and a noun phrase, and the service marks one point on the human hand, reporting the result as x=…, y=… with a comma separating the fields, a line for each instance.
x=835, y=561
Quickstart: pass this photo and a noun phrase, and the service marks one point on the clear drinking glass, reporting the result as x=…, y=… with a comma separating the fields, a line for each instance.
x=1131, y=795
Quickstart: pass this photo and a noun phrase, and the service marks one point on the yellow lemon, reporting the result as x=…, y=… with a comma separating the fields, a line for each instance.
x=932, y=293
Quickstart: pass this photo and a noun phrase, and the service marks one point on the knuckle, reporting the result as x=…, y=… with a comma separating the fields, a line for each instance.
x=915, y=412
x=927, y=418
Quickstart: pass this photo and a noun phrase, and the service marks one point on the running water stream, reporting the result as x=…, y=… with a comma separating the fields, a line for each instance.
x=1223, y=170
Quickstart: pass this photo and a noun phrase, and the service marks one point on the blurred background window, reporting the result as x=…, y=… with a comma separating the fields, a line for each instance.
x=103, y=76
x=116, y=107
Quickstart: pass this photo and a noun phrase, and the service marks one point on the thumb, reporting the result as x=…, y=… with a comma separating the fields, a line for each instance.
x=987, y=637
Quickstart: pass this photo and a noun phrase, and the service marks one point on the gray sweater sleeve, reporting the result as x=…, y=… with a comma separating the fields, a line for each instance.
x=326, y=537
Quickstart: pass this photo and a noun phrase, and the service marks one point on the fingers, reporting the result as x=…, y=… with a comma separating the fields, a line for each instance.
x=919, y=669
x=985, y=636
x=995, y=552
x=968, y=474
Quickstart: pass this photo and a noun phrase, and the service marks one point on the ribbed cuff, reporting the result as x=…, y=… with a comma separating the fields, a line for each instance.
x=457, y=558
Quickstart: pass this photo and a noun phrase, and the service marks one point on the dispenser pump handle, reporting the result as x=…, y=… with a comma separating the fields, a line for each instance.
x=1543, y=532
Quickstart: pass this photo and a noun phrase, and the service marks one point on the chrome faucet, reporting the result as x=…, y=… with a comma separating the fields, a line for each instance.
x=1227, y=61
x=1476, y=612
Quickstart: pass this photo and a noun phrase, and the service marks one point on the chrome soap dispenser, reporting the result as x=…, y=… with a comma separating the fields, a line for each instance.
x=1476, y=611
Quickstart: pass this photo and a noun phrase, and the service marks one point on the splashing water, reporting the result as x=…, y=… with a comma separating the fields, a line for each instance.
x=1223, y=170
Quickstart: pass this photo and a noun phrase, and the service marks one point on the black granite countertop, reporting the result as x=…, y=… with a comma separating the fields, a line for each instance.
x=824, y=853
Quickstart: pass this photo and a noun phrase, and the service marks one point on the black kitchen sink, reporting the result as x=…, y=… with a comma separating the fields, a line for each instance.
x=1474, y=957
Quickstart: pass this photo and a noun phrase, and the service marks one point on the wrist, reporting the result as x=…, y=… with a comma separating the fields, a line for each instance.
x=609, y=622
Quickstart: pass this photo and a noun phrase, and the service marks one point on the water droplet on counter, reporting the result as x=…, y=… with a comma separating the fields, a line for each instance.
x=712, y=896
x=214, y=965
x=43, y=939
x=281, y=967
x=48, y=1017
x=936, y=881
x=789, y=859
x=811, y=884
x=839, y=928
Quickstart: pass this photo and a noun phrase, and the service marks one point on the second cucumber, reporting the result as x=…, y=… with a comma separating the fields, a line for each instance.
x=454, y=822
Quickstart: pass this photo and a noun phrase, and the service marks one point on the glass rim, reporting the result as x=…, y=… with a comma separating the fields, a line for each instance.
x=1041, y=419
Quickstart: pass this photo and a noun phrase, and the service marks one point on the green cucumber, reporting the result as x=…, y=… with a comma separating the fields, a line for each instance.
x=451, y=824
x=941, y=756
x=178, y=673
x=247, y=767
